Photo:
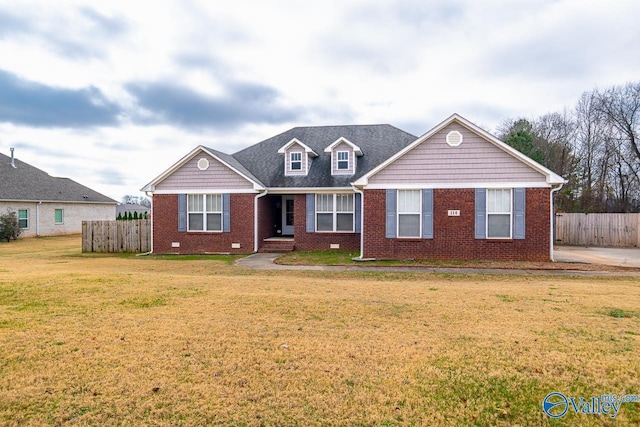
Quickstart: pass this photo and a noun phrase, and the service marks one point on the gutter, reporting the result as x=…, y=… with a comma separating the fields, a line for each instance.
x=255, y=218
x=552, y=220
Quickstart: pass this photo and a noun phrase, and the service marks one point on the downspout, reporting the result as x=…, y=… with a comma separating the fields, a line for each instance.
x=38, y=218
x=151, y=210
x=552, y=221
x=361, y=222
x=255, y=218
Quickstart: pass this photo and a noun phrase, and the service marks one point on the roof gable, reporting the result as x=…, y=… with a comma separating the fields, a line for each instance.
x=342, y=140
x=294, y=142
x=523, y=167
x=225, y=166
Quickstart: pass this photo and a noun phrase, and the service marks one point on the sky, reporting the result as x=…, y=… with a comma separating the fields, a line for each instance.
x=111, y=94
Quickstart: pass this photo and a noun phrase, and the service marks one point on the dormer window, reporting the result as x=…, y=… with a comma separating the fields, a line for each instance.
x=343, y=160
x=344, y=156
x=298, y=158
x=296, y=161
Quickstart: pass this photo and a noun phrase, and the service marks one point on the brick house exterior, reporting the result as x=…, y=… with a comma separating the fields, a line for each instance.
x=454, y=193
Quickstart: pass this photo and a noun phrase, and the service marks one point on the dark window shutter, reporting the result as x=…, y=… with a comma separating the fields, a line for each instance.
x=226, y=212
x=182, y=212
x=481, y=213
x=391, y=214
x=427, y=213
x=358, y=212
x=311, y=212
x=519, y=206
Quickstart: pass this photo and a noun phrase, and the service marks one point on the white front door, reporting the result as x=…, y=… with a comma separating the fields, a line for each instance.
x=287, y=215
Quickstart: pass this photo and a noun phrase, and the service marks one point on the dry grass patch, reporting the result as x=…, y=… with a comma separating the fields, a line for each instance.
x=101, y=340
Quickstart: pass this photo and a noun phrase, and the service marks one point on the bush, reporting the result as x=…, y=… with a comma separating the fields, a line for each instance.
x=9, y=226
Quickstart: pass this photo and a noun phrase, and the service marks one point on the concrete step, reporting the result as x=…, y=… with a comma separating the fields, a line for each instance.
x=277, y=245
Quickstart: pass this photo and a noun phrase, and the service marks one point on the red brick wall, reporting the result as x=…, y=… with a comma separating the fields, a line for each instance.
x=454, y=236
x=318, y=241
x=165, y=228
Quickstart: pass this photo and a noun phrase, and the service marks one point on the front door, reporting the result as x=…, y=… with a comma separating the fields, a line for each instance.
x=287, y=215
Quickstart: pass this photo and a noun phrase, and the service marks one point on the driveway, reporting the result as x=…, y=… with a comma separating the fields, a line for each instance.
x=622, y=257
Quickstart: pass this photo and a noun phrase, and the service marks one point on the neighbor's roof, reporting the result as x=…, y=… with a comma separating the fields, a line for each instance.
x=27, y=183
x=377, y=142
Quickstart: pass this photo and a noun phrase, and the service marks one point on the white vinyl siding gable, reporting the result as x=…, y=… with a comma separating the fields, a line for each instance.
x=475, y=160
x=216, y=176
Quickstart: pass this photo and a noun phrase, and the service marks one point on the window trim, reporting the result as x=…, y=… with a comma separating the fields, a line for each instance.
x=204, y=212
x=334, y=211
x=338, y=160
x=292, y=161
x=26, y=218
x=55, y=219
x=510, y=213
x=398, y=213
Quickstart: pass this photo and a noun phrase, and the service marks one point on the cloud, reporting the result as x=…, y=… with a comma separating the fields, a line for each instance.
x=91, y=34
x=182, y=106
x=34, y=104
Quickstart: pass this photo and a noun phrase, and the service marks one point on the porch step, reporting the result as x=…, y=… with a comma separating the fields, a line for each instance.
x=277, y=245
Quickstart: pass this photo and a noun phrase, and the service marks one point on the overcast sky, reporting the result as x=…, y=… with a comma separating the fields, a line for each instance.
x=110, y=94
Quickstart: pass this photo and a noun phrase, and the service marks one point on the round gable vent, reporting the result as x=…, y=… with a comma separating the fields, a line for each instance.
x=203, y=164
x=454, y=138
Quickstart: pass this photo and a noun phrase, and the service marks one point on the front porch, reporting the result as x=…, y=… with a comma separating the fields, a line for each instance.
x=276, y=223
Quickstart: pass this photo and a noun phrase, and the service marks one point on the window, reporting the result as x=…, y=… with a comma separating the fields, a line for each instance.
x=23, y=218
x=343, y=160
x=409, y=213
x=58, y=216
x=296, y=161
x=334, y=212
x=499, y=213
x=204, y=212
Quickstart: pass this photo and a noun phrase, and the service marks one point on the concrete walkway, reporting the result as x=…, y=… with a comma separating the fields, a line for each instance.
x=265, y=261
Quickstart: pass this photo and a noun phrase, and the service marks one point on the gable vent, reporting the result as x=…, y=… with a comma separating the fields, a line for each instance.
x=454, y=138
x=203, y=164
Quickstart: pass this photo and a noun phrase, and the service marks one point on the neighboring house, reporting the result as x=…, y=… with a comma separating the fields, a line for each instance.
x=455, y=193
x=45, y=205
x=125, y=208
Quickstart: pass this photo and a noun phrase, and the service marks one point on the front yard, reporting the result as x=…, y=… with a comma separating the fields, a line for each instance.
x=118, y=339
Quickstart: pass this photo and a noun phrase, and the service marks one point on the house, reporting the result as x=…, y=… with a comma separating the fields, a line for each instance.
x=454, y=193
x=123, y=210
x=46, y=205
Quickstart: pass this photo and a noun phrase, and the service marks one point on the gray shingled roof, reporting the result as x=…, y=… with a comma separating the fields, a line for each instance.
x=231, y=161
x=378, y=143
x=27, y=183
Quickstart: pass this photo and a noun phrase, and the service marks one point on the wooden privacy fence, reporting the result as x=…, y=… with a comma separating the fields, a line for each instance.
x=598, y=229
x=116, y=236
